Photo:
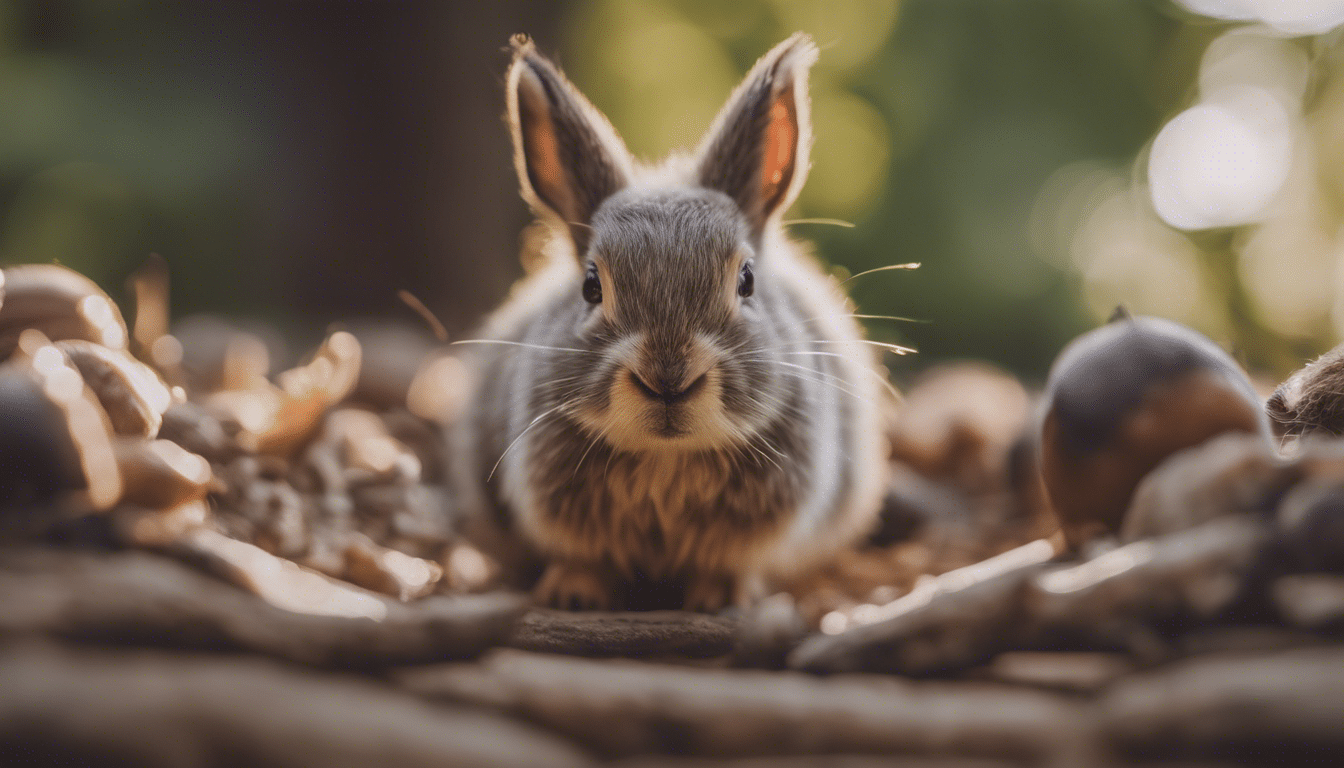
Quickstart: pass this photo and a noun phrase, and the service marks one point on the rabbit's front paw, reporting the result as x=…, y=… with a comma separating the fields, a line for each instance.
x=575, y=587
x=709, y=593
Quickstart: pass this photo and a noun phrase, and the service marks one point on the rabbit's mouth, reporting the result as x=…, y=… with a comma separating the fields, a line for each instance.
x=646, y=412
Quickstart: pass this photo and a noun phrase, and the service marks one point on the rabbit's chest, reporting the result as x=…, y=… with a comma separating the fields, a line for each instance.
x=659, y=515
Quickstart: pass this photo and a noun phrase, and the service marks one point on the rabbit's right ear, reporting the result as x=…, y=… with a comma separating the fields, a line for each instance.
x=756, y=151
x=568, y=157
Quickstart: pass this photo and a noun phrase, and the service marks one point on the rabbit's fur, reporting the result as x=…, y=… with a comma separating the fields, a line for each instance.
x=676, y=429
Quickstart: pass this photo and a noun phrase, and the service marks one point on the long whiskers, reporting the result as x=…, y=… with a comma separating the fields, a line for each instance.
x=529, y=427
x=817, y=377
x=828, y=222
x=888, y=268
x=894, y=348
x=523, y=344
x=878, y=376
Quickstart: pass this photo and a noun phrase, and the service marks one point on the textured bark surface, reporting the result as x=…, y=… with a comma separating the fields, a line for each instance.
x=134, y=708
x=145, y=599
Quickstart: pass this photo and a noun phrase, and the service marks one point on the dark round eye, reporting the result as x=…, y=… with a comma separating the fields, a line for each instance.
x=592, y=286
x=746, y=282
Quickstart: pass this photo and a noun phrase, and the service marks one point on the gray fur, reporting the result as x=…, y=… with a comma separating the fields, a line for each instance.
x=675, y=430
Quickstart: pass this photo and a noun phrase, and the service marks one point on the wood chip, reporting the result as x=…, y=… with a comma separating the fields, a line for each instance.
x=1289, y=705
x=135, y=708
x=648, y=634
x=141, y=598
x=620, y=707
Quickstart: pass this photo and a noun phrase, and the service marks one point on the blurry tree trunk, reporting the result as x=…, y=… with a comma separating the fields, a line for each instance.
x=392, y=134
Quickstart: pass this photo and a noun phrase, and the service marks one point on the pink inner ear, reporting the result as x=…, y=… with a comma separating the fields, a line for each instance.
x=545, y=170
x=781, y=145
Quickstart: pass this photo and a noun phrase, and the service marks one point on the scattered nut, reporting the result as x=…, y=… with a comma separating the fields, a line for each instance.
x=57, y=439
x=131, y=392
x=59, y=302
x=160, y=474
x=389, y=571
x=1122, y=398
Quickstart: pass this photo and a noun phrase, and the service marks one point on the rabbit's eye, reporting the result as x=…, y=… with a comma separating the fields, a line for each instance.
x=592, y=286
x=746, y=282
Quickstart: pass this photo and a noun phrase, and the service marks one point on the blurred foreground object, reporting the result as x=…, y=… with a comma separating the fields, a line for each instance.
x=1121, y=399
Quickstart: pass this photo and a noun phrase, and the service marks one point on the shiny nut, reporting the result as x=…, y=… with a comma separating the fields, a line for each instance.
x=59, y=302
x=131, y=392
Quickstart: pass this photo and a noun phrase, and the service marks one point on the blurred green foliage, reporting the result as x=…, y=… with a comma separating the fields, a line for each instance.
x=126, y=130
x=936, y=122
x=120, y=136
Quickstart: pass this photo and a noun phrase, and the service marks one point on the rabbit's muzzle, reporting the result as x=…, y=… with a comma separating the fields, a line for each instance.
x=668, y=390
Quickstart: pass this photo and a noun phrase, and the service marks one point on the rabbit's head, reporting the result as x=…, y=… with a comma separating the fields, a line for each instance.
x=670, y=290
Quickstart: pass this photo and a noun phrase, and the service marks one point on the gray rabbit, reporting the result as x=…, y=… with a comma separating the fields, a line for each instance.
x=678, y=394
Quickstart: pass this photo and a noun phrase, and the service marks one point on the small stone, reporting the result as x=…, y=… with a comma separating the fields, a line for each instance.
x=160, y=474
x=193, y=427
x=388, y=571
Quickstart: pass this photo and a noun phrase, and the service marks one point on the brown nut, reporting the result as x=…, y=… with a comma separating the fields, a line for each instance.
x=958, y=422
x=388, y=571
x=308, y=392
x=367, y=452
x=131, y=392
x=59, y=302
x=54, y=437
x=160, y=474
x=439, y=390
x=1122, y=398
x=277, y=420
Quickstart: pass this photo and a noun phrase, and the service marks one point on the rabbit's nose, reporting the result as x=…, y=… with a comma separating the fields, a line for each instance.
x=665, y=391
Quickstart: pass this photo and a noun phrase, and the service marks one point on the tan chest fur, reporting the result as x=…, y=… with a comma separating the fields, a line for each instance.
x=661, y=514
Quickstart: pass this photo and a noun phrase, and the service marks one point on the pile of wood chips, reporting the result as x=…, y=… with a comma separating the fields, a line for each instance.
x=203, y=562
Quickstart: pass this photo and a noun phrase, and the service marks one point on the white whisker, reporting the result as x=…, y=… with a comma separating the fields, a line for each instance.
x=888, y=268
x=529, y=427
x=591, y=444
x=522, y=344
x=829, y=380
x=890, y=317
x=895, y=348
x=830, y=222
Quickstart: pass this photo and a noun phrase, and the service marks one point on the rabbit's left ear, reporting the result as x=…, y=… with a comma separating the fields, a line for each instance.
x=568, y=157
x=756, y=151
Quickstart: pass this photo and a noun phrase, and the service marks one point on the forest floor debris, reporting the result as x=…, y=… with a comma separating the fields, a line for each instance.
x=205, y=562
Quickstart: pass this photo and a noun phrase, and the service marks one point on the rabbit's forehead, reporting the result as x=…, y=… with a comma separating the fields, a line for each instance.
x=695, y=229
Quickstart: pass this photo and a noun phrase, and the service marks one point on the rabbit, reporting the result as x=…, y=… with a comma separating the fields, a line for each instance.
x=679, y=394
